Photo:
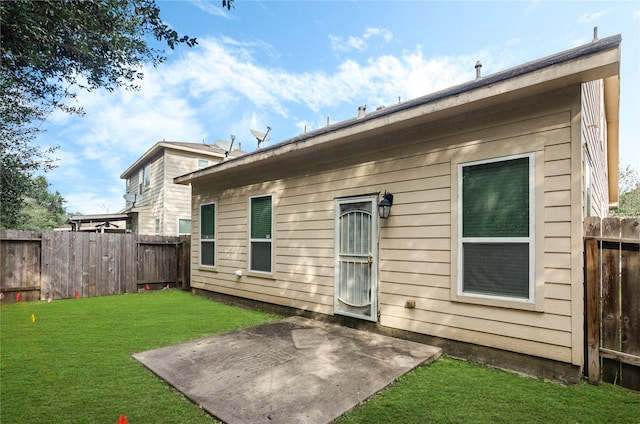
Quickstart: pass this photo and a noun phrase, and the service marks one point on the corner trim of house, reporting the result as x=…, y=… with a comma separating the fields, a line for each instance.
x=542, y=368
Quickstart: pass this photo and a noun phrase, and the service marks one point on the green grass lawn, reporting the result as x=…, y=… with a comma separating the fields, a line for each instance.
x=454, y=391
x=74, y=365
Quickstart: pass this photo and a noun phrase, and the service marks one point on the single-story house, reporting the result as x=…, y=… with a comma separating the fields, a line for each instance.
x=482, y=249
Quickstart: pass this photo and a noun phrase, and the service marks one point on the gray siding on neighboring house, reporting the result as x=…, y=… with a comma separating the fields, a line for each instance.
x=178, y=197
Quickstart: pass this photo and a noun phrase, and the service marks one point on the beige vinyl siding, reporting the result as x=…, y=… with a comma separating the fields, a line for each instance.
x=163, y=199
x=150, y=208
x=418, y=243
x=177, y=204
x=594, y=137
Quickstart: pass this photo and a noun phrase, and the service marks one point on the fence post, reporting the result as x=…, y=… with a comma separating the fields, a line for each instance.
x=592, y=274
x=592, y=298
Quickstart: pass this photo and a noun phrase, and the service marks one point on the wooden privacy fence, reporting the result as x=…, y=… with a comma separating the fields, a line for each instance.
x=612, y=277
x=37, y=265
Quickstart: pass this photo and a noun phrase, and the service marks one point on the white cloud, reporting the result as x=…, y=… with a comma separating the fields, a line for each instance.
x=221, y=86
x=359, y=43
x=636, y=14
x=588, y=18
x=211, y=8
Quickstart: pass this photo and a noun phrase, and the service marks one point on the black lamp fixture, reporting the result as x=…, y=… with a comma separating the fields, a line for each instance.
x=384, y=207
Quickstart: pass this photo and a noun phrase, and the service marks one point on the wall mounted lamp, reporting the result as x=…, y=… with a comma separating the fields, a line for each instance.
x=384, y=207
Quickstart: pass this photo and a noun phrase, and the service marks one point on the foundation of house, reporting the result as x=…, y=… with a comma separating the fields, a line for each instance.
x=533, y=366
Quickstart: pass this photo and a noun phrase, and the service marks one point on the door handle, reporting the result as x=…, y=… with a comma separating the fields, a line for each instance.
x=370, y=261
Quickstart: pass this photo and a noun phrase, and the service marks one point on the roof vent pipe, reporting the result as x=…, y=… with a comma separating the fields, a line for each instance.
x=595, y=34
x=362, y=110
x=478, y=67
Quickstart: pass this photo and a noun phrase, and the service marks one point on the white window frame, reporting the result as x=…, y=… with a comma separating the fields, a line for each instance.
x=252, y=240
x=178, y=226
x=530, y=239
x=215, y=235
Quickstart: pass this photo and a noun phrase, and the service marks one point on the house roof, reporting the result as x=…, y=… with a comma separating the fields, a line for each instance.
x=98, y=218
x=599, y=59
x=206, y=150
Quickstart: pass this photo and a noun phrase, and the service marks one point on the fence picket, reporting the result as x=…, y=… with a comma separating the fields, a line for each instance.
x=630, y=301
x=618, y=319
x=59, y=264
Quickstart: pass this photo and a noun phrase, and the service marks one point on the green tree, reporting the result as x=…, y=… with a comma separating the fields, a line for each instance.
x=52, y=49
x=629, y=181
x=43, y=209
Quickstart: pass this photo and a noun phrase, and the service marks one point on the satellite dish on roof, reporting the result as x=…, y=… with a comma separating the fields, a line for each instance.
x=133, y=197
x=226, y=145
x=260, y=136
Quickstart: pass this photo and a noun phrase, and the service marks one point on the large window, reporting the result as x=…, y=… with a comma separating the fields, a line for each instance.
x=260, y=234
x=208, y=234
x=496, y=221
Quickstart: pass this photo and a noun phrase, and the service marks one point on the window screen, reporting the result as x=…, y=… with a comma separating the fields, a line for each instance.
x=147, y=176
x=261, y=234
x=496, y=221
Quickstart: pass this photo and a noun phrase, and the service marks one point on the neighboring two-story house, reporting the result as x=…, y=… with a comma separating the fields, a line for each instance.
x=155, y=204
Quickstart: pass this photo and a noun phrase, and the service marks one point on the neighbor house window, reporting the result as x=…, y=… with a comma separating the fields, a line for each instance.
x=202, y=163
x=140, y=180
x=208, y=234
x=496, y=228
x=158, y=226
x=147, y=176
x=184, y=226
x=261, y=234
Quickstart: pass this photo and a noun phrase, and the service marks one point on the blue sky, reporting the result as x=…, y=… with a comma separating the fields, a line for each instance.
x=291, y=64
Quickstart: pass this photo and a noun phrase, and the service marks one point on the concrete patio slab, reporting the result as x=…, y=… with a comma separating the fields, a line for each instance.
x=293, y=371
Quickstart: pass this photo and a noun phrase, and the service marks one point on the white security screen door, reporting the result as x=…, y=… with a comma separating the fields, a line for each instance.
x=356, y=246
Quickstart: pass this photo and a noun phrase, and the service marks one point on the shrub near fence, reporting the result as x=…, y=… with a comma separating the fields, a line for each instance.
x=37, y=265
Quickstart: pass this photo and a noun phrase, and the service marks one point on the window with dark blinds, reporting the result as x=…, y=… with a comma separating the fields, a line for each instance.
x=261, y=250
x=208, y=234
x=496, y=244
